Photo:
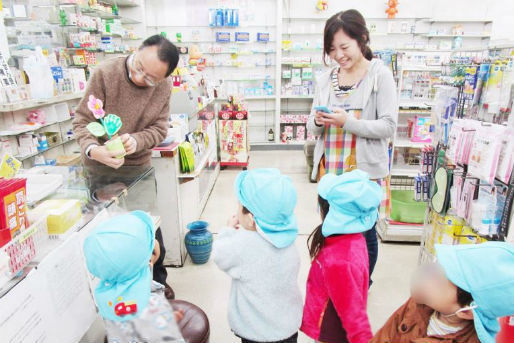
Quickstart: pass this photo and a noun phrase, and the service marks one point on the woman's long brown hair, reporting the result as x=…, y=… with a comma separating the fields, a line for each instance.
x=316, y=240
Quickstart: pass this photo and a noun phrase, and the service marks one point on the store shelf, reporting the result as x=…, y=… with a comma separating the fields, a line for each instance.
x=18, y=106
x=31, y=129
x=242, y=53
x=303, y=50
x=437, y=20
x=199, y=167
x=242, y=67
x=297, y=97
x=399, y=233
x=420, y=68
x=453, y=36
x=249, y=80
x=263, y=97
x=302, y=34
x=367, y=18
x=23, y=158
x=414, y=104
x=406, y=143
x=122, y=3
x=410, y=171
x=302, y=64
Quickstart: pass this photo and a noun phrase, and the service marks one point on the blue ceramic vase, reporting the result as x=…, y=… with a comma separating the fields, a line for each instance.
x=199, y=242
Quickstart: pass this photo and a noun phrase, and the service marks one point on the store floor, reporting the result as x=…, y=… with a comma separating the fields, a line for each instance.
x=209, y=288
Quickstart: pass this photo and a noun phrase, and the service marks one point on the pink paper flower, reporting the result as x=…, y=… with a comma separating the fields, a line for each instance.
x=96, y=106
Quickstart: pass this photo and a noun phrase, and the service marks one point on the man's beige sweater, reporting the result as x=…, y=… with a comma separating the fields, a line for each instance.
x=144, y=112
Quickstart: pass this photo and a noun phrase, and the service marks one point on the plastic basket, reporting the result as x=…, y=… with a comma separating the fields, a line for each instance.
x=405, y=209
x=26, y=246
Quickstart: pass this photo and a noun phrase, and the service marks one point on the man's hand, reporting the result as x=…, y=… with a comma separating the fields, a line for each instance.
x=104, y=156
x=129, y=143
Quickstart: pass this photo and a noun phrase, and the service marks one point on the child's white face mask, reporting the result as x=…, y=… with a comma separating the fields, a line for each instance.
x=467, y=308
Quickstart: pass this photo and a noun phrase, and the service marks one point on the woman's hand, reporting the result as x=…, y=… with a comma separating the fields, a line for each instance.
x=318, y=118
x=337, y=118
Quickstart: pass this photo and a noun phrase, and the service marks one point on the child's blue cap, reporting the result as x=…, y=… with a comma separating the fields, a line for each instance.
x=118, y=252
x=487, y=272
x=354, y=202
x=271, y=198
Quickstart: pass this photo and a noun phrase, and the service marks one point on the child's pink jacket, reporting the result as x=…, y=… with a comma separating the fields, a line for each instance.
x=337, y=292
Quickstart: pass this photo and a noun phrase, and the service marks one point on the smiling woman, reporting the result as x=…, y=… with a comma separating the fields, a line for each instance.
x=360, y=94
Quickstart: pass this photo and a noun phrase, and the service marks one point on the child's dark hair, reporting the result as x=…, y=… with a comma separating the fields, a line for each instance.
x=316, y=240
x=353, y=24
x=245, y=210
x=463, y=298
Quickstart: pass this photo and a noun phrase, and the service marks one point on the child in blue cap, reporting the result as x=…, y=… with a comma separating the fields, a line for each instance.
x=257, y=251
x=119, y=252
x=337, y=286
x=457, y=300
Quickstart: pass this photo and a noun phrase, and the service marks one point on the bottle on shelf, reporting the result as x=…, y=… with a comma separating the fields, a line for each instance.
x=271, y=135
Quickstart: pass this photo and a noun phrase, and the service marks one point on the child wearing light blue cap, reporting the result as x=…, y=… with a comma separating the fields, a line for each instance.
x=257, y=251
x=119, y=252
x=337, y=286
x=459, y=299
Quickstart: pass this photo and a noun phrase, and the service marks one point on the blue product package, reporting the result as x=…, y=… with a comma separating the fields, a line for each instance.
x=222, y=37
x=263, y=37
x=227, y=17
x=242, y=37
x=417, y=188
x=219, y=17
x=236, y=17
x=212, y=17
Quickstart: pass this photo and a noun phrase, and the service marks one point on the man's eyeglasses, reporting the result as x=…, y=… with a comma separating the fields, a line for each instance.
x=138, y=70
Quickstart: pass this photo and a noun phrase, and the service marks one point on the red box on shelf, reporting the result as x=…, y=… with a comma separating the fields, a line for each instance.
x=5, y=237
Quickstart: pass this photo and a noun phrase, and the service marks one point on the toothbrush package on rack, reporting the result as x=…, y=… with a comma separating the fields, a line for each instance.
x=485, y=152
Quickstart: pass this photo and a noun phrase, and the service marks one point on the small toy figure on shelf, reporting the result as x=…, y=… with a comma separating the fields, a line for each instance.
x=110, y=125
x=194, y=55
x=392, y=10
x=322, y=5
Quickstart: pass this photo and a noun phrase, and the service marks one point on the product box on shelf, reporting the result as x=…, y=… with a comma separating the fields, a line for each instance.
x=222, y=37
x=13, y=208
x=242, y=37
x=61, y=215
x=262, y=37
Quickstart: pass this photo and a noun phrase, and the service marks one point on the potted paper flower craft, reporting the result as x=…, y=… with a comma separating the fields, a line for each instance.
x=109, y=125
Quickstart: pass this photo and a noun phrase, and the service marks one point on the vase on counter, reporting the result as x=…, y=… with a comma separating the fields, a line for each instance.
x=199, y=242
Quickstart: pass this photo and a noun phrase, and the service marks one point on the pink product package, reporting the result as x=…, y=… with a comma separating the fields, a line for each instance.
x=300, y=133
x=485, y=153
x=506, y=160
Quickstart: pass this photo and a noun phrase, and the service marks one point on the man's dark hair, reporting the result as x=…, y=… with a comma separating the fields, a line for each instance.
x=166, y=51
x=463, y=298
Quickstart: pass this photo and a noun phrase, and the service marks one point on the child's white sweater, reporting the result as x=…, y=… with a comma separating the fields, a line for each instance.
x=265, y=301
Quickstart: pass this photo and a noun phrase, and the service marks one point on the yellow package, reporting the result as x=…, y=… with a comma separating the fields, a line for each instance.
x=62, y=214
x=468, y=236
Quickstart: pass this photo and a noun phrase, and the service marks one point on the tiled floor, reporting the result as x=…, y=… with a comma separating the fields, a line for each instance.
x=209, y=288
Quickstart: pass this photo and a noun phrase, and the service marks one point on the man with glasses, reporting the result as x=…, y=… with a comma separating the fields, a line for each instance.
x=134, y=88
x=137, y=90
